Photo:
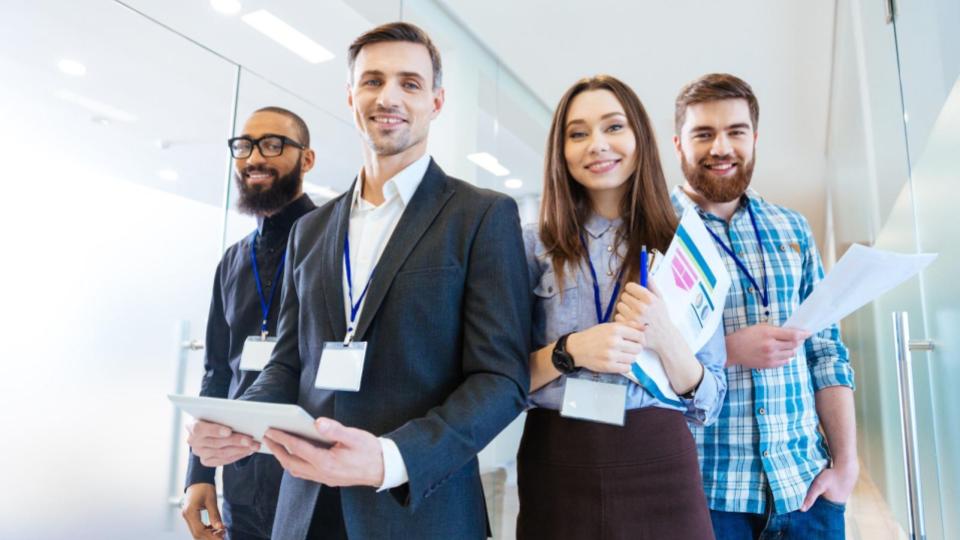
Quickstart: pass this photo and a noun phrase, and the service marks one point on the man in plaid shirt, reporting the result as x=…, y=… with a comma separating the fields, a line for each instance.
x=767, y=470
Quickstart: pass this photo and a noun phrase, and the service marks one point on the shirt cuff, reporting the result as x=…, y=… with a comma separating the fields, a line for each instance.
x=706, y=398
x=394, y=470
x=831, y=372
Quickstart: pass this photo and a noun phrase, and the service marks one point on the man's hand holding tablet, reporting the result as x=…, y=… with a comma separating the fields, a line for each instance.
x=216, y=444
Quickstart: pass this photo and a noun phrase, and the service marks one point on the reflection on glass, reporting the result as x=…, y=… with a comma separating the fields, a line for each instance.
x=113, y=194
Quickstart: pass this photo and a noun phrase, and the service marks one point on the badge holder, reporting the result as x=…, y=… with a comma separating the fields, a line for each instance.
x=257, y=351
x=595, y=397
x=341, y=365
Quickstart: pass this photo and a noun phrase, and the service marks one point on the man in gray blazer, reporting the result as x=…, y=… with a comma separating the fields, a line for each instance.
x=427, y=273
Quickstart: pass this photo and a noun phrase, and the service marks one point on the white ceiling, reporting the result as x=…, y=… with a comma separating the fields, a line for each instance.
x=783, y=49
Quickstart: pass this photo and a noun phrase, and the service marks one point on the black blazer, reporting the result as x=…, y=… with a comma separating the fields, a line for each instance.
x=447, y=326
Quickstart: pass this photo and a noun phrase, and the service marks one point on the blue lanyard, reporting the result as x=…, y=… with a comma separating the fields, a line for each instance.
x=602, y=316
x=264, y=302
x=354, y=307
x=764, y=295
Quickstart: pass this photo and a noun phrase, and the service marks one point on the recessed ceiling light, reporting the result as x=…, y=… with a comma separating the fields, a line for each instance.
x=227, y=7
x=72, y=67
x=276, y=29
x=169, y=175
x=513, y=183
x=488, y=162
x=102, y=110
x=323, y=191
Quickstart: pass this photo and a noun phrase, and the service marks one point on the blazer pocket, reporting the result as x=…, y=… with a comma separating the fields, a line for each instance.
x=426, y=277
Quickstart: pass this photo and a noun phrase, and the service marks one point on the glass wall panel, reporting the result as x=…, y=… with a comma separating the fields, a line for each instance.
x=928, y=45
x=872, y=203
x=114, y=133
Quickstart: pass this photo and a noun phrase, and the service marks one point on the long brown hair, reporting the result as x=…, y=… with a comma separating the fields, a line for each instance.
x=646, y=210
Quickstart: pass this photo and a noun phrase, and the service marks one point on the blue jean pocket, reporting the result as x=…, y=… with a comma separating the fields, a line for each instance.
x=839, y=507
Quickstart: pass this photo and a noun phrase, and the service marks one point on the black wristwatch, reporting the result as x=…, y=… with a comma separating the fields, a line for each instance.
x=561, y=358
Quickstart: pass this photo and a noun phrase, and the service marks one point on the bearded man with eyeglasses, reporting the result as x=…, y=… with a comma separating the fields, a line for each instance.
x=271, y=157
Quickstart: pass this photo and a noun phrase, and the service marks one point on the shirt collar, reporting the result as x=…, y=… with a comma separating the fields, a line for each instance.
x=598, y=225
x=403, y=184
x=283, y=220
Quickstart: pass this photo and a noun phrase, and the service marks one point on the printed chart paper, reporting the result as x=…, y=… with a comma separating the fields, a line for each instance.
x=693, y=281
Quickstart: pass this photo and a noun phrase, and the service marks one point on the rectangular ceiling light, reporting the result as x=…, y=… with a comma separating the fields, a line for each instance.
x=276, y=29
x=488, y=162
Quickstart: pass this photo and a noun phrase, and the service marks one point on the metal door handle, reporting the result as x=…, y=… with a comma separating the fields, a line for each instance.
x=192, y=345
x=908, y=417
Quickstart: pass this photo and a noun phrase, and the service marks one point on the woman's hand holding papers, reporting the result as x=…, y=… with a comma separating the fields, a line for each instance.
x=642, y=308
x=605, y=348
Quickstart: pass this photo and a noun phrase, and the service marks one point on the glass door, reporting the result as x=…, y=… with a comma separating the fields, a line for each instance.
x=928, y=53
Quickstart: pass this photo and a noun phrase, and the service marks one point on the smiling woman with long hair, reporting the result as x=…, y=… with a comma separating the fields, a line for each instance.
x=580, y=474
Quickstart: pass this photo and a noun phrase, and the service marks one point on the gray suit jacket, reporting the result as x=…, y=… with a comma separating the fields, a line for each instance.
x=447, y=326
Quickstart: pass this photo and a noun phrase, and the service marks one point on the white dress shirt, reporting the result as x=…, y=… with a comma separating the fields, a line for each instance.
x=371, y=227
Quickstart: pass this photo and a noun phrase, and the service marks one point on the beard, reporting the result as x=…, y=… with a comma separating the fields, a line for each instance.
x=714, y=188
x=257, y=200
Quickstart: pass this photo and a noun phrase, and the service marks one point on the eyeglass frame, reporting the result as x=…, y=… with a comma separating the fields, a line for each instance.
x=255, y=143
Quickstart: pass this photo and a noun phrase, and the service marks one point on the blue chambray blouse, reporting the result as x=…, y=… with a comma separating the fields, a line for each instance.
x=556, y=314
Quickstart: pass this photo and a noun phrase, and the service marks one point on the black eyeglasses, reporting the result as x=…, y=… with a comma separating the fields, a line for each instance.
x=269, y=145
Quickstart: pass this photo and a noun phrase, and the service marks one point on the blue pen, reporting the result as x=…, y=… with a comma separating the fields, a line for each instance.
x=643, y=266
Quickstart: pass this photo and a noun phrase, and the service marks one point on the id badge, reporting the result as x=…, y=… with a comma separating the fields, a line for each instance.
x=341, y=365
x=256, y=353
x=595, y=398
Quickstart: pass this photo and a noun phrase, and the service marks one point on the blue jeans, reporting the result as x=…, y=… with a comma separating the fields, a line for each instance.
x=823, y=521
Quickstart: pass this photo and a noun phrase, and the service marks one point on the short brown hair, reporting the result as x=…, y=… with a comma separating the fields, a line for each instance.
x=646, y=210
x=396, y=31
x=714, y=87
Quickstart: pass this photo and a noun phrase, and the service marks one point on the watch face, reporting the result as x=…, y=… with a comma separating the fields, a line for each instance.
x=562, y=361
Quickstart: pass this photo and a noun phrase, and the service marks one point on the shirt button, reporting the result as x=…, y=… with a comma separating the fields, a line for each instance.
x=609, y=272
x=783, y=247
x=750, y=290
x=740, y=253
x=766, y=453
x=762, y=411
x=609, y=249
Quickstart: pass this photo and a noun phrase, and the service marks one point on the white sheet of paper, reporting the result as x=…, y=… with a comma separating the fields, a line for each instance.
x=251, y=418
x=341, y=366
x=860, y=276
x=256, y=353
x=596, y=401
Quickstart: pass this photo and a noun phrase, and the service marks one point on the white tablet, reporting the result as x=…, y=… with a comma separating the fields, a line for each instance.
x=250, y=417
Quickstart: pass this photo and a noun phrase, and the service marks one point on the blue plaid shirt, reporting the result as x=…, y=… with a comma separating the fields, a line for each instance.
x=766, y=440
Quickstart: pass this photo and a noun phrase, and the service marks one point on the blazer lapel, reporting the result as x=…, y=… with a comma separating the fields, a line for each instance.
x=427, y=201
x=332, y=273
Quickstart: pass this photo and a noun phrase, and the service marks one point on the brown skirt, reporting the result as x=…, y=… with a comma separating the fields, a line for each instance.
x=584, y=480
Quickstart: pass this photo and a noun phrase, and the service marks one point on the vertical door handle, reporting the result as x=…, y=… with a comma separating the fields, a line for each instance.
x=908, y=424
